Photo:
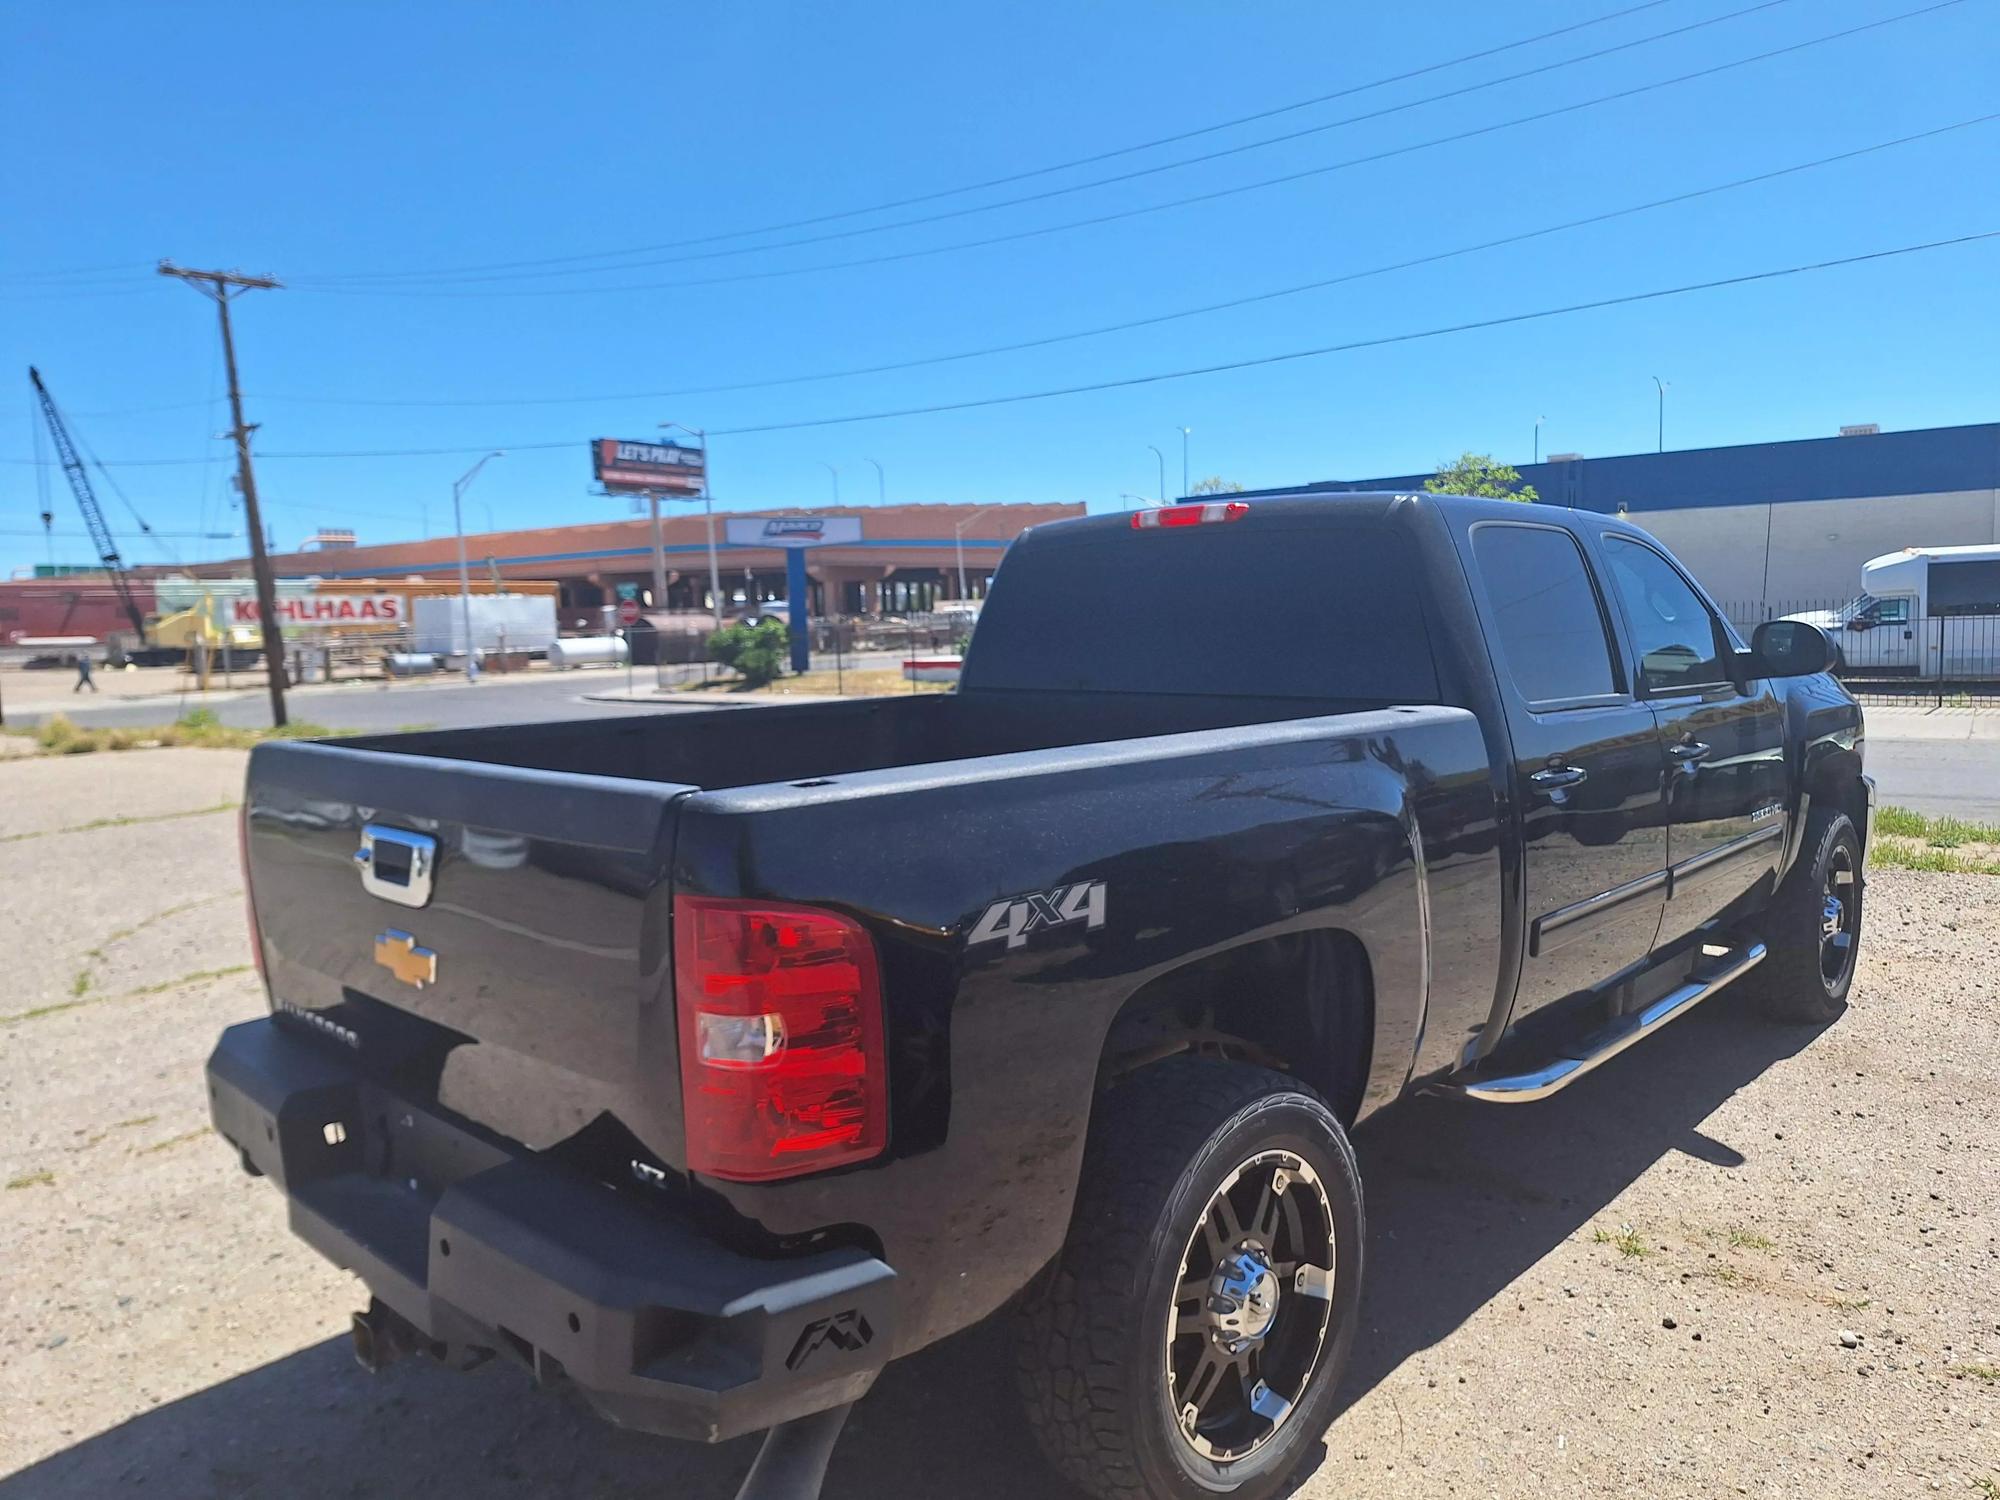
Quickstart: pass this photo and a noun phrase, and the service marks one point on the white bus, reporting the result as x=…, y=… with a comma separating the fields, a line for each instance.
x=1923, y=612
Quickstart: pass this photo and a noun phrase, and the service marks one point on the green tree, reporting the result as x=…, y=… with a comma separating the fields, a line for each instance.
x=1215, y=484
x=1479, y=474
x=756, y=652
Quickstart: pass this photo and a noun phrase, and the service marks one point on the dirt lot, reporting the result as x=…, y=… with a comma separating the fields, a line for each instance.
x=1638, y=1287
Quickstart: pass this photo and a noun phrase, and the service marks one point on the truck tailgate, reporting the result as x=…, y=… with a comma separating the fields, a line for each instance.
x=528, y=988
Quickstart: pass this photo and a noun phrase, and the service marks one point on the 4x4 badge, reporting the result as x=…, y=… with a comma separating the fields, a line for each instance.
x=1017, y=916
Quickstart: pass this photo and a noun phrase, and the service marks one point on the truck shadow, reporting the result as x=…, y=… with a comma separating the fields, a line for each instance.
x=1462, y=1199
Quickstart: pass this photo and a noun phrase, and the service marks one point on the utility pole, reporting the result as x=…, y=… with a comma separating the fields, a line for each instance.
x=221, y=286
x=1662, y=384
x=1184, y=467
x=458, y=489
x=708, y=515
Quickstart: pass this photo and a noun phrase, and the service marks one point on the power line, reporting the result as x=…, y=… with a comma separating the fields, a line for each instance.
x=80, y=536
x=1046, y=194
x=1161, y=376
x=1372, y=343
x=1154, y=319
x=1211, y=196
x=1024, y=176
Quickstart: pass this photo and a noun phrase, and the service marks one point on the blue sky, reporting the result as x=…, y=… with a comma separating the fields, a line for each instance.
x=327, y=144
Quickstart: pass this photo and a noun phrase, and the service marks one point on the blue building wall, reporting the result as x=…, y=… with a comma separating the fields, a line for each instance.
x=1932, y=460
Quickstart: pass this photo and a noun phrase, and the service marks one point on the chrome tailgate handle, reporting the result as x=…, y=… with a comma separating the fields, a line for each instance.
x=396, y=864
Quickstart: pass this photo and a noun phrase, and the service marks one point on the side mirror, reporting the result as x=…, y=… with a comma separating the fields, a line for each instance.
x=1789, y=648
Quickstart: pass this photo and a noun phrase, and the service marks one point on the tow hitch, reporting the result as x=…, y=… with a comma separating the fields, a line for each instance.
x=382, y=1336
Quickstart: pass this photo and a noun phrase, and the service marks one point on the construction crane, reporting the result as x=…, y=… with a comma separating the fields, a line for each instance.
x=86, y=501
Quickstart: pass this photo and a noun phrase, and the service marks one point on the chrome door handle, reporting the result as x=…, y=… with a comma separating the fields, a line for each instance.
x=1688, y=750
x=1559, y=776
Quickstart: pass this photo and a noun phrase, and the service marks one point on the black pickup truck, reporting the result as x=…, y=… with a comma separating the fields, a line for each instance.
x=705, y=1062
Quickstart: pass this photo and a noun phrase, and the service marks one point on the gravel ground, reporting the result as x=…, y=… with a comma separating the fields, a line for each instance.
x=1639, y=1287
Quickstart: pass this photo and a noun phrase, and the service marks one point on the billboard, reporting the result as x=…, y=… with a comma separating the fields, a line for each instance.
x=792, y=531
x=325, y=609
x=663, y=468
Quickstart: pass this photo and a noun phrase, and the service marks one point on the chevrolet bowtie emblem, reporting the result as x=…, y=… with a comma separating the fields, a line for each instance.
x=399, y=954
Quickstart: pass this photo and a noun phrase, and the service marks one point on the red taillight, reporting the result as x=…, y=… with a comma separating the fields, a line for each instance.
x=1190, y=515
x=782, y=1066
x=249, y=901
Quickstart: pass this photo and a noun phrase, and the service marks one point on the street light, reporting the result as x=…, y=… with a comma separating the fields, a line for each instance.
x=464, y=574
x=1184, y=468
x=835, y=472
x=881, y=484
x=1163, y=472
x=708, y=515
x=1662, y=384
x=958, y=544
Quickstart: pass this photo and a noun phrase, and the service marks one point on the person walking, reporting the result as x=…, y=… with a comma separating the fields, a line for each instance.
x=83, y=673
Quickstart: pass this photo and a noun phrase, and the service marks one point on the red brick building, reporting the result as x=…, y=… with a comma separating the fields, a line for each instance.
x=907, y=558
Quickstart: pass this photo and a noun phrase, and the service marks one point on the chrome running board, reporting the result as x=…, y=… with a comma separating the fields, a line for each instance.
x=1715, y=970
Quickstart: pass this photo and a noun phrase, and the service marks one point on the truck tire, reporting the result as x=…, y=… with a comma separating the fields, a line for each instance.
x=1812, y=930
x=1189, y=1338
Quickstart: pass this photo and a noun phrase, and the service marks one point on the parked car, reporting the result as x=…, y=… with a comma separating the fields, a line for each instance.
x=797, y=1038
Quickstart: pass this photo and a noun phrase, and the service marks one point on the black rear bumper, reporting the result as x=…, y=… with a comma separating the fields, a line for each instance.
x=482, y=1246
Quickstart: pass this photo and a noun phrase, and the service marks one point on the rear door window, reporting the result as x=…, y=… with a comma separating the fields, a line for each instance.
x=1547, y=619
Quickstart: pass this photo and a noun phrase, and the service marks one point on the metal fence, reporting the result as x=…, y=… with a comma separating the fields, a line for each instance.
x=1886, y=653
x=852, y=655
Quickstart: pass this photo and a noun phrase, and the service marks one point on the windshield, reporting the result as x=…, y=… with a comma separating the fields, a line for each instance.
x=1859, y=604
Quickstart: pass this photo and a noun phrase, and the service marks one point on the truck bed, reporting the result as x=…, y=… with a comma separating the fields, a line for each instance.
x=794, y=742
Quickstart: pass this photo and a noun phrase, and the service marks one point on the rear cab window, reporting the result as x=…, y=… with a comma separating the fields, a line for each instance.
x=1264, y=607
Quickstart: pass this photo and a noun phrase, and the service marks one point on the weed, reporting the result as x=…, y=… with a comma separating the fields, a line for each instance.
x=1907, y=840
x=80, y=985
x=175, y=1140
x=1890, y=855
x=42, y=1178
x=1749, y=1239
x=199, y=728
x=1628, y=1241
x=199, y=976
x=1988, y=1373
x=1901, y=821
x=122, y=822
